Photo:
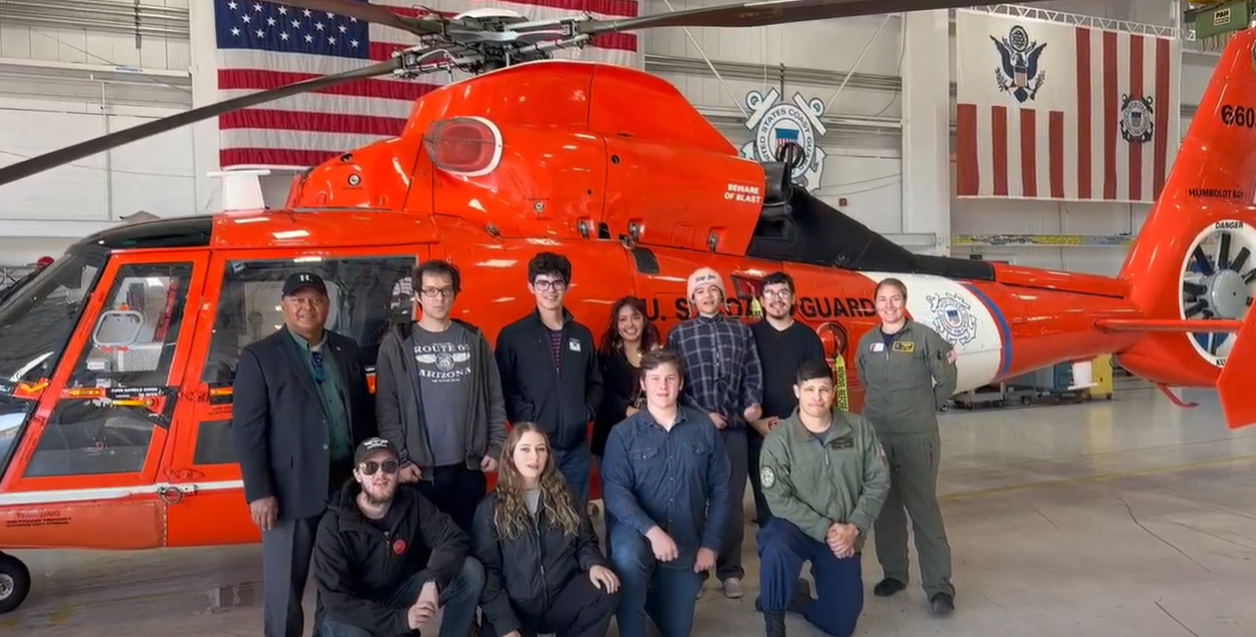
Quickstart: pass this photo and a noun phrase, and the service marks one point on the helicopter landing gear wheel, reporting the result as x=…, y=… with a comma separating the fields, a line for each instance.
x=15, y=583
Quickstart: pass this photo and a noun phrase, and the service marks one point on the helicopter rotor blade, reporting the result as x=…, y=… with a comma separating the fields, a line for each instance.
x=23, y=169
x=374, y=13
x=766, y=13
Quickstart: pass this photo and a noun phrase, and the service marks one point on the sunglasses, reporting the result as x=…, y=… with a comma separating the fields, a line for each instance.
x=370, y=467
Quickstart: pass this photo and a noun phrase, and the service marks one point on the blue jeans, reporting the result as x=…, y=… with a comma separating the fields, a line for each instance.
x=667, y=593
x=575, y=465
x=459, y=601
x=783, y=547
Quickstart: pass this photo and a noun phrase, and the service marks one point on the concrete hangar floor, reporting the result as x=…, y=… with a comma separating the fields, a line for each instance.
x=1130, y=517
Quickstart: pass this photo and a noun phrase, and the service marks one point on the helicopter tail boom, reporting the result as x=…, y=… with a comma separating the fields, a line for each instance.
x=1191, y=272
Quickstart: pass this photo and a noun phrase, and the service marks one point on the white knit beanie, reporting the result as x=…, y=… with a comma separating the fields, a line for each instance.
x=705, y=276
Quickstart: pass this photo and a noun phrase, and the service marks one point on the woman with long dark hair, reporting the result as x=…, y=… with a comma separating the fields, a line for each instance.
x=628, y=336
x=544, y=571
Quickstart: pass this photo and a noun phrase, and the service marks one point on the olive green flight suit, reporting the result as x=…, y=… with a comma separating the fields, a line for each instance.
x=901, y=400
x=814, y=483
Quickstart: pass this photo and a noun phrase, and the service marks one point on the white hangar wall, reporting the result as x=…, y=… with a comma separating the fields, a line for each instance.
x=71, y=70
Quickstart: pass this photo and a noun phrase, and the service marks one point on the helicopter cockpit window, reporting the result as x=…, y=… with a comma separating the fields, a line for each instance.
x=135, y=335
x=35, y=326
x=366, y=295
x=115, y=396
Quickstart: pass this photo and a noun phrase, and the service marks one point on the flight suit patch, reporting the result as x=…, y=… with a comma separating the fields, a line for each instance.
x=767, y=477
x=905, y=347
x=878, y=347
x=843, y=443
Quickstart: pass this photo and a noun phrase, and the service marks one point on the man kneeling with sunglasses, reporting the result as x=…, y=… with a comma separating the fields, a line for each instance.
x=386, y=559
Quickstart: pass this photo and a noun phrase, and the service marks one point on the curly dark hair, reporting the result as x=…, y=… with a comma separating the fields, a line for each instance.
x=611, y=340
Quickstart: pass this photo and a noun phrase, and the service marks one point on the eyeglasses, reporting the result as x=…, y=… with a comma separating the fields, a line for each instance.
x=432, y=293
x=545, y=285
x=370, y=467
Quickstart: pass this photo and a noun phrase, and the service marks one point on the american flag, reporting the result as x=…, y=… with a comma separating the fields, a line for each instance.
x=264, y=45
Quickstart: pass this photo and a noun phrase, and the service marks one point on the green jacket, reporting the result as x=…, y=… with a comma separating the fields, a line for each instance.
x=815, y=484
x=899, y=391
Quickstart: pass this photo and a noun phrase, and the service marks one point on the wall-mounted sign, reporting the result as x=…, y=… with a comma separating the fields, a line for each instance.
x=775, y=123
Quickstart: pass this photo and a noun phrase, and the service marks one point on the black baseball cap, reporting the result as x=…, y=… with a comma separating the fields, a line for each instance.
x=303, y=280
x=370, y=446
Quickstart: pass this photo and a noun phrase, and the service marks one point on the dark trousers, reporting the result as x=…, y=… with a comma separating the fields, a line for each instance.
x=728, y=561
x=458, y=602
x=665, y=592
x=913, y=460
x=754, y=448
x=286, y=552
x=575, y=464
x=456, y=491
x=580, y=609
x=783, y=547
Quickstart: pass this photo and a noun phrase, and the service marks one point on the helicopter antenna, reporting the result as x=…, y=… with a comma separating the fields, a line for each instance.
x=241, y=189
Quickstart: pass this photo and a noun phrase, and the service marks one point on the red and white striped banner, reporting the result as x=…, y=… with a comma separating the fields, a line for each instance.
x=1061, y=112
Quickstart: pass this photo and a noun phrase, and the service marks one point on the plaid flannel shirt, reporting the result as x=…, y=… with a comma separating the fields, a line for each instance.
x=722, y=371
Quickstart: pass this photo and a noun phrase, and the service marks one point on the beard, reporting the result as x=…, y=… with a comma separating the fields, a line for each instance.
x=377, y=496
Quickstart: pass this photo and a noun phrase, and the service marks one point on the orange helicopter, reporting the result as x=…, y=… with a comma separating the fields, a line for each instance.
x=116, y=361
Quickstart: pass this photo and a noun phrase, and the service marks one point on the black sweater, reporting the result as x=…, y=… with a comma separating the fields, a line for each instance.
x=621, y=385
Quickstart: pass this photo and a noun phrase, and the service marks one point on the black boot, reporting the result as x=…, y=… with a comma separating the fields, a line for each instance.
x=798, y=603
x=887, y=587
x=774, y=624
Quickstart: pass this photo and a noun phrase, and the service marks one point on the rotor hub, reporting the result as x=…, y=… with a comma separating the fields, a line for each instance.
x=1227, y=294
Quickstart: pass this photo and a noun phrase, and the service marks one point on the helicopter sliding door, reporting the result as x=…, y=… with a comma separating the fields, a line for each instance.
x=106, y=415
x=369, y=288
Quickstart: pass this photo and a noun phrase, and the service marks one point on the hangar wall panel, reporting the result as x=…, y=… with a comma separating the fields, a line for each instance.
x=833, y=45
x=75, y=69
x=154, y=175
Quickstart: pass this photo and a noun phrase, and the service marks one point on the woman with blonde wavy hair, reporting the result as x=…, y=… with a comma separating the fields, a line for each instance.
x=544, y=571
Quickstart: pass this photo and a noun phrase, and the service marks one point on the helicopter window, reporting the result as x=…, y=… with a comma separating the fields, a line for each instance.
x=36, y=322
x=35, y=326
x=366, y=295
x=135, y=337
x=131, y=347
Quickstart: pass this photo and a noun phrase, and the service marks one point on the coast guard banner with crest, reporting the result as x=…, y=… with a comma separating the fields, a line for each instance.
x=1062, y=112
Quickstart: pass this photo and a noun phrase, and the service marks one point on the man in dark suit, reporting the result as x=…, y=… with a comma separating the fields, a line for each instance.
x=300, y=407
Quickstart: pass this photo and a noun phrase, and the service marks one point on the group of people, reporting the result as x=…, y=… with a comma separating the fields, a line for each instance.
x=384, y=498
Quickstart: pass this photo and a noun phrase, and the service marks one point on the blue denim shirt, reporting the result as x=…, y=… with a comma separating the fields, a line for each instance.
x=677, y=480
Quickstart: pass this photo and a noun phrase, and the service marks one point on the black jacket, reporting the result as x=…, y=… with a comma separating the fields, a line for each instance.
x=523, y=576
x=278, y=428
x=398, y=402
x=562, y=401
x=358, y=569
